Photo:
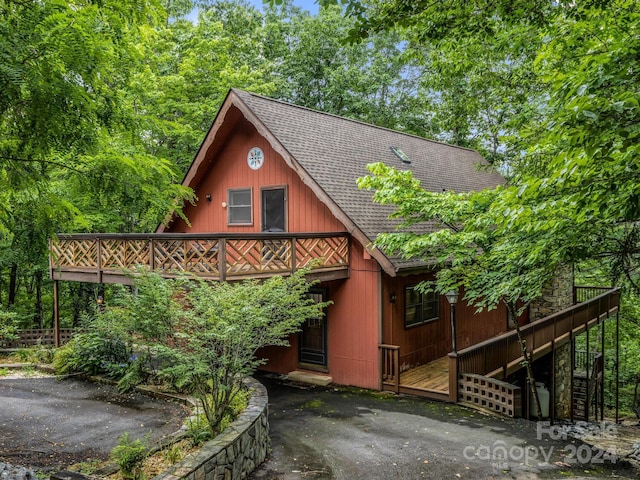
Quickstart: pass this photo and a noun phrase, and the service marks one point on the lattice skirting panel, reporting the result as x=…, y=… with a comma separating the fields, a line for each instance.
x=490, y=394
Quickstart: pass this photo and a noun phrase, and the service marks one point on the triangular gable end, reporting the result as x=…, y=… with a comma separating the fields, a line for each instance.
x=233, y=100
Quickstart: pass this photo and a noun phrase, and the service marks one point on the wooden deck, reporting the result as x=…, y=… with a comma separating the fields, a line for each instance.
x=489, y=361
x=431, y=376
x=429, y=380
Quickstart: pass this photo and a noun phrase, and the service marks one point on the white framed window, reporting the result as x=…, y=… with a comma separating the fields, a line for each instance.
x=239, y=206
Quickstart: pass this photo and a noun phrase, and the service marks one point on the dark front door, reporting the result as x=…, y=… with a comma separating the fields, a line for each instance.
x=273, y=210
x=313, y=338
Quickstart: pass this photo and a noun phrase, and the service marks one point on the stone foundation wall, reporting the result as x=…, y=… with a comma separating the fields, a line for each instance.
x=557, y=296
x=562, y=375
x=236, y=452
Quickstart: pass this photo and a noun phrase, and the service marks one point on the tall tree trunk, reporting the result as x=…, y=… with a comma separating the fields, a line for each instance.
x=527, y=362
x=13, y=280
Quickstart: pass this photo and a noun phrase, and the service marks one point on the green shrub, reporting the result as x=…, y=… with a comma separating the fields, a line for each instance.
x=238, y=405
x=93, y=353
x=173, y=454
x=198, y=430
x=8, y=326
x=36, y=354
x=129, y=455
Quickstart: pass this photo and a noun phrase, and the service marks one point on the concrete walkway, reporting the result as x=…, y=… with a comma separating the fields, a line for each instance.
x=325, y=433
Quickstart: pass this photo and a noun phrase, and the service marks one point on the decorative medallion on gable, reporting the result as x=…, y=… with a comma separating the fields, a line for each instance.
x=255, y=158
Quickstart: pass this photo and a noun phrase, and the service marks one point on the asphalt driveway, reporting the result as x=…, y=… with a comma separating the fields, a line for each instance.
x=316, y=433
x=324, y=433
x=46, y=424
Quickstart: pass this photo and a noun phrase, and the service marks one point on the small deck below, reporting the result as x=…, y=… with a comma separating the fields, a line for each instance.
x=429, y=380
x=430, y=376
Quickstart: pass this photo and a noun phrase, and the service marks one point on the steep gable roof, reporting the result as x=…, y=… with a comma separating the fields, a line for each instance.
x=330, y=152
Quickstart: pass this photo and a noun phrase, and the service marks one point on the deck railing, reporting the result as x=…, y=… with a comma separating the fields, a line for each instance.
x=104, y=258
x=502, y=355
x=389, y=363
x=37, y=336
x=585, y=293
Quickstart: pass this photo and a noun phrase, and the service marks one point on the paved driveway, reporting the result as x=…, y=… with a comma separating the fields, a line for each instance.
x=49, y=424
x=320, y=433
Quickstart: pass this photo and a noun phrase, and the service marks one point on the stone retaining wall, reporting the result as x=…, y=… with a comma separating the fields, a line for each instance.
x=236, y=452
x=11, y=472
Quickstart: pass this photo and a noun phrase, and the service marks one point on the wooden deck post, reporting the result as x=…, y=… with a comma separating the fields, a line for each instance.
x=453, y=377
x=56, y=314
x=222, y=259
x=294, y=252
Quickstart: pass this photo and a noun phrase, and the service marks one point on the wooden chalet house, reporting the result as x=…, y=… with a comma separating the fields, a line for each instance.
x=276, y=189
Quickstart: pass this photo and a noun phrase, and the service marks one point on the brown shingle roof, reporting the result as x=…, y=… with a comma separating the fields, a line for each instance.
x=330, y=153
x=334, y=151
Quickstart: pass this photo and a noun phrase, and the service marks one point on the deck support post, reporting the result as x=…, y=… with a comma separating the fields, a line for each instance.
x=588, y=375
x=617, y=366
x=222, y=259
x=573, y=365
x=453, y=377
x=602, y=359
x=56, y=314
x=553, y=402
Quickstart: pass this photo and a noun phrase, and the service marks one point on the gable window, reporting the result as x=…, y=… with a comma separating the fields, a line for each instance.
x=239, y=206
x=420, y=307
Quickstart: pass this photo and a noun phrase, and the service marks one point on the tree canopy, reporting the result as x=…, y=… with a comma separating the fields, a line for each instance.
x=573, y=193
x=103, y=106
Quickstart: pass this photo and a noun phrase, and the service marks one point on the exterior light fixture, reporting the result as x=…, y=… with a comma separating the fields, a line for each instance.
x=452, y=296
x=208, y=197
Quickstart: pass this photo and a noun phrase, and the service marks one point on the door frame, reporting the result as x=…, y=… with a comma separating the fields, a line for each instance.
x=285, y=201
x=323, y=365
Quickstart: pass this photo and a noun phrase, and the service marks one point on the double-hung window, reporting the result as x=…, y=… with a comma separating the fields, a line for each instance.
x=239, y=206
x=420, y=307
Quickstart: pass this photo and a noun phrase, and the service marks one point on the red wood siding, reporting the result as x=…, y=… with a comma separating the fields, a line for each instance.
x=353, y=323
x=228, y=169
x=353, y=316
x=352, y=328
x=423, y=343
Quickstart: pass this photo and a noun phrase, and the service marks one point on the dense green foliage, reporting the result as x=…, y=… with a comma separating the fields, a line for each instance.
x=574, y=195
x=8, y=326
x=101, y=112
x=195, y=337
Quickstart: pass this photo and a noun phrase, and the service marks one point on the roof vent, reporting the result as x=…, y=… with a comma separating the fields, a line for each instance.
x=401, y=155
